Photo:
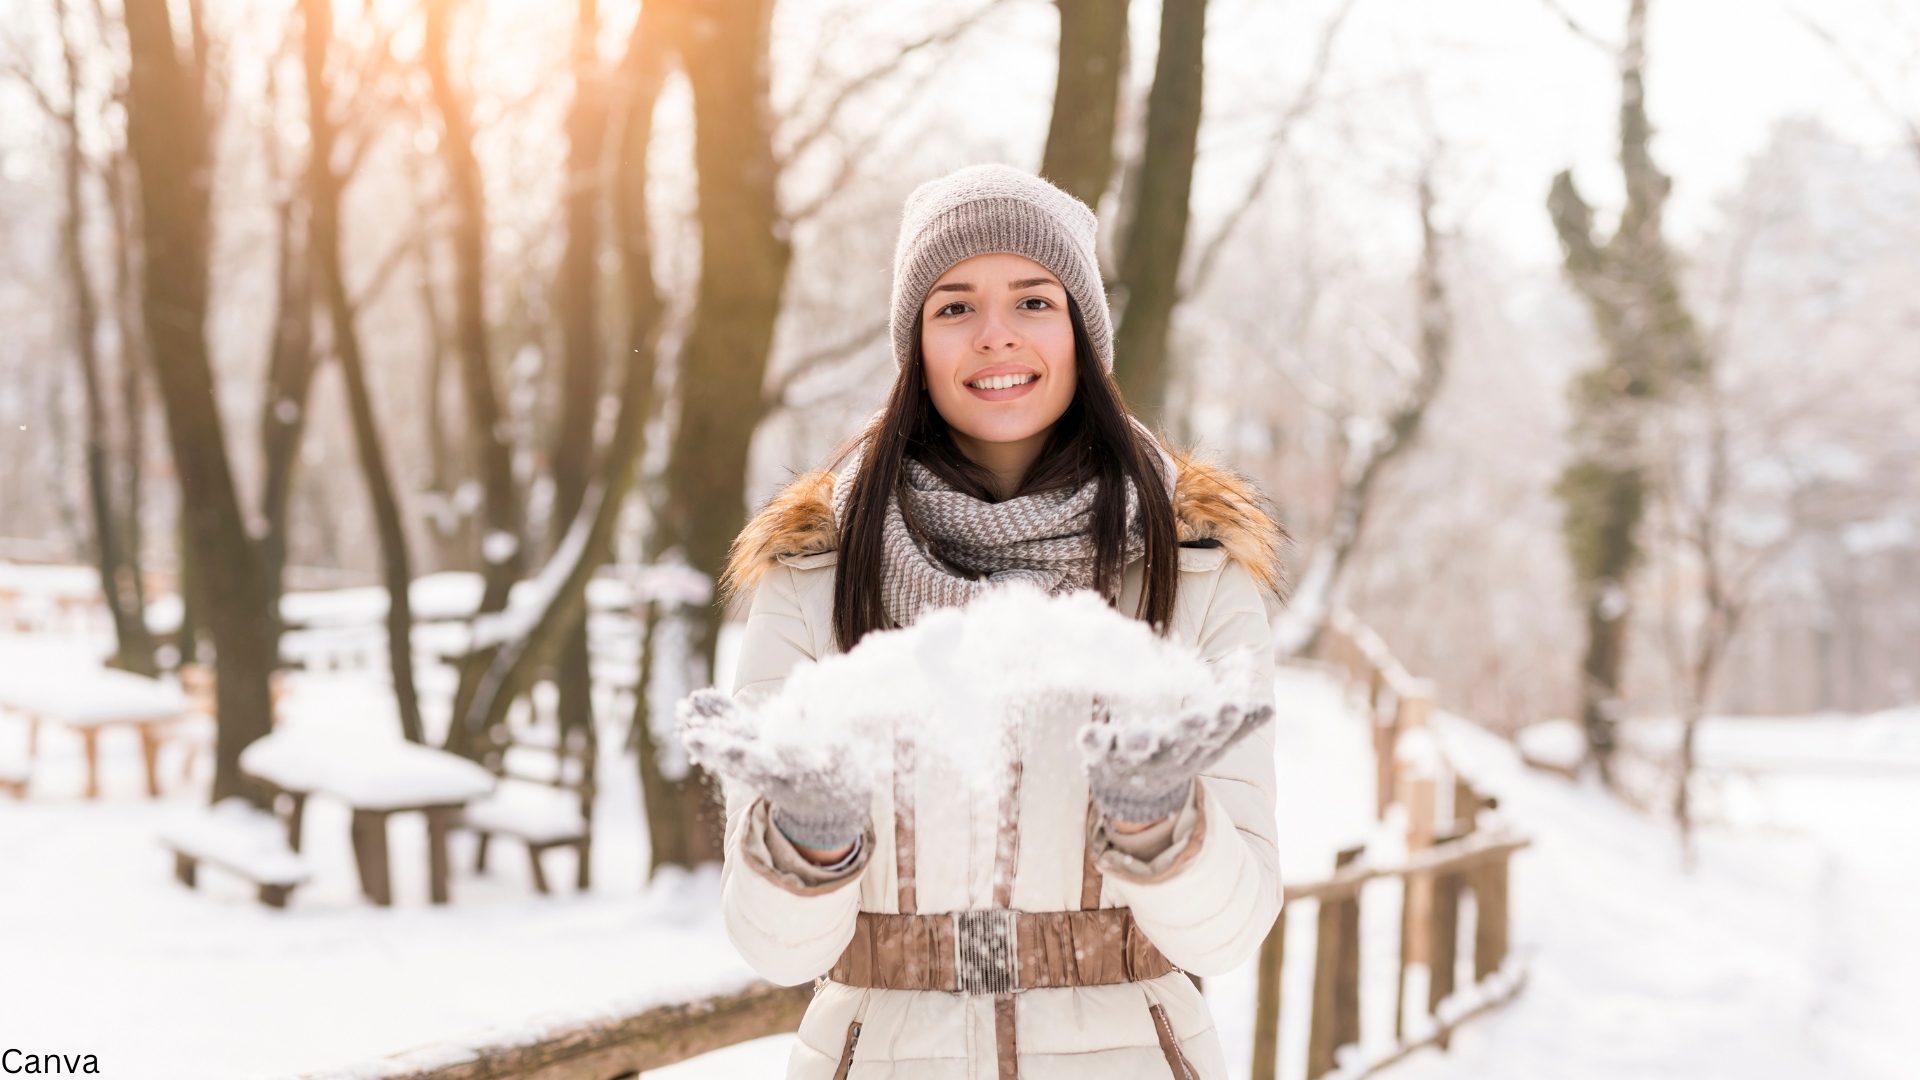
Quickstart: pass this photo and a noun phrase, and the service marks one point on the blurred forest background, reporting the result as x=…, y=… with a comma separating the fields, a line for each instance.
x=302, y=294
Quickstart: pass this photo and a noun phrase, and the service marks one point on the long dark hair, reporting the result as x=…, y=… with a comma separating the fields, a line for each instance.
x=1095, y=439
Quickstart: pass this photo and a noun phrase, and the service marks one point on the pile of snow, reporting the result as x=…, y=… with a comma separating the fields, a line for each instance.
x=962, y=677
x=1559, y=745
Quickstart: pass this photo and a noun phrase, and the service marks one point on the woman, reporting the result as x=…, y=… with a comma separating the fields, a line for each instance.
x=1048, y=936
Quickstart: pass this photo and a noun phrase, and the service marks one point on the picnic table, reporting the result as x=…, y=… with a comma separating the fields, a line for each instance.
x=376, y=779
x=89, y=699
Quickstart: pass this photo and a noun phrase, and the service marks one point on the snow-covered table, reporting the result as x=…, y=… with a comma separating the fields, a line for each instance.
x=89, y=698
x=377, y=779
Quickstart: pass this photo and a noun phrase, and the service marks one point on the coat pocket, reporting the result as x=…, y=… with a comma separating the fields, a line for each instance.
x=846, y=1052
x=1177, y=1062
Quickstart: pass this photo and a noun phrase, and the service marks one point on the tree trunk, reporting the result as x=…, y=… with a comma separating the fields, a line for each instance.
x=283, y=413
x=1652, y=349
x=502, y=539
x=723, y=365
x=168, y=133
x=323, y=230
x=516, y=654
x=579, y=310
x=118, y=584
x=133, y=384
x=502, y=543
x=1321, y=590
x=1086, y=97
x=1148, y=288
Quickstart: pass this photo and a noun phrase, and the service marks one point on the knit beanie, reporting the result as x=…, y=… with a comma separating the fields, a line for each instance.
x=996, y=208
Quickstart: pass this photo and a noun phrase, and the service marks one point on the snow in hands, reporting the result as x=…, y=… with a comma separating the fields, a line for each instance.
x=1143, y=771
x=819, y=790
x=1148, y=714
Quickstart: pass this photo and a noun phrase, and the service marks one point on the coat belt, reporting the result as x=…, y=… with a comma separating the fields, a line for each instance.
x=997, y=951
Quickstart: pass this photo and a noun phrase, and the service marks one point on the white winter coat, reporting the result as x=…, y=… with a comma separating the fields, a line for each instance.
x=1206, y=901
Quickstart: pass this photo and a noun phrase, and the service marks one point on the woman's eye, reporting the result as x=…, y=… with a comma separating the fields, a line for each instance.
x=1035, y=303
x=955, y=308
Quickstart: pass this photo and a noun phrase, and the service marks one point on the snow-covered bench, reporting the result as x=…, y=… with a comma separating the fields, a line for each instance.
x=543, y=800
x=377, y=778
x=243, y=840
x=77, y=692
x=13, y=778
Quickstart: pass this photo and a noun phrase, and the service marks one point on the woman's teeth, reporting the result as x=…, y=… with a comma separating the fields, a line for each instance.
x=1002, y=382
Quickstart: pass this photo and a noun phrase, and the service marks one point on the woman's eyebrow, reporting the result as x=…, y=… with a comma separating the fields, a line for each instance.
x=953, y=286
x=1028, y=283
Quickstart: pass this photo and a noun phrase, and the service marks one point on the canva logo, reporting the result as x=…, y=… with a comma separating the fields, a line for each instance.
x=19, y=1062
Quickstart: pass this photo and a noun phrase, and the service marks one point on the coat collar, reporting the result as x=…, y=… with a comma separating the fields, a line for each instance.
x=1213, y=506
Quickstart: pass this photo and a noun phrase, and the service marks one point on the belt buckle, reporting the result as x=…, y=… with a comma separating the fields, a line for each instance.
x=984, y=944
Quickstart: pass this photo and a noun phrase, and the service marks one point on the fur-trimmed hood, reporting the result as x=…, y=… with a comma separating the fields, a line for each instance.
x=1213, y=506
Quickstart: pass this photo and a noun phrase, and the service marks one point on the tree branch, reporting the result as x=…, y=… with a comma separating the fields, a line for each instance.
x=1909, y=124
x=831, y=112
x=1283, y=131
x=775, y=396
x=1580, y=31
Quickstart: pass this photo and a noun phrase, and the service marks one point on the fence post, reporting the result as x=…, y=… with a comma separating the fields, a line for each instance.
x=1416, y=911
x=1445, y=941
x=1490, y=931
x=1336, y=976
x=1266, y=1016
x=1446, y=904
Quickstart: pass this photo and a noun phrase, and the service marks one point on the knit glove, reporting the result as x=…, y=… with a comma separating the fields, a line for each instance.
x=820, y=794
x=1141, y=769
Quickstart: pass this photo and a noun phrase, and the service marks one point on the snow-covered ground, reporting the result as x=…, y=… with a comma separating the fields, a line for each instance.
x=1790, y=952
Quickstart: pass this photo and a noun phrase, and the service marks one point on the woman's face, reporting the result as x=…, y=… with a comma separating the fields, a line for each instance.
x=998, y=345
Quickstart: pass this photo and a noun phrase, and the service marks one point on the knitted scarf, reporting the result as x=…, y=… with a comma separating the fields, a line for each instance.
x=946, y=547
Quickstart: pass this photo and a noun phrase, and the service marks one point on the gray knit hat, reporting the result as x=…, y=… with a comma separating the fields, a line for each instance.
x=992, y=208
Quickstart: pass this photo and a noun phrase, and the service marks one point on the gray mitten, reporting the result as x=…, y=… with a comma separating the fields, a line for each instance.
x=821, y=795
x=1141, y=770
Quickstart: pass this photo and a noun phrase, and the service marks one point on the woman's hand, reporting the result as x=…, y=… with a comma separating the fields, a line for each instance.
x=1142, y=770
x=821, y=795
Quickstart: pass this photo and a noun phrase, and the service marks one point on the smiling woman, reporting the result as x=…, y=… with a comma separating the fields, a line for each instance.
x=1004, y=456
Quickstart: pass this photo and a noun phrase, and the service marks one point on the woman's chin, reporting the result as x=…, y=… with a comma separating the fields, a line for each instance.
x=997, y=426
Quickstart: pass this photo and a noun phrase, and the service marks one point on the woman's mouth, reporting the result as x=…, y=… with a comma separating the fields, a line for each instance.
x=1002, y=386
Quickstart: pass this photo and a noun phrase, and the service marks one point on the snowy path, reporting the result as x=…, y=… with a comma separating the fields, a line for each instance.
x=1791, y=952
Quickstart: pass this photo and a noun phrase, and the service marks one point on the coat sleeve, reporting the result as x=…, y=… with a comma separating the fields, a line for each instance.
x=1209, y=900
x=790, y=928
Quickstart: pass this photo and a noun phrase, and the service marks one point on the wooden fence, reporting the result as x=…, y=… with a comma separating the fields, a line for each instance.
x=614, y=1048
x=1446, y=861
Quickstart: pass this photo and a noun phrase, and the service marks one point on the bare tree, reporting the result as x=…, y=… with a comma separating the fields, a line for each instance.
x=579, y=311
x=518, y=645
x=324, y=186
x=502, y=547
x=169, y=134
x=503, y=542
x=1651, y=349
x=119, y=571
x=1156, y=238
x=1086, y=97
x=723, y=45
x=1372, y=445
x=290, y=358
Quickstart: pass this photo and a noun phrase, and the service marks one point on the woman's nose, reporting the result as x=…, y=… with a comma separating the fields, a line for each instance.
x=995, y=334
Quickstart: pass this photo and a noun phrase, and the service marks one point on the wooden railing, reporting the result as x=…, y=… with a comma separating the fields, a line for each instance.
x=1465, y=855
x=615, y=1048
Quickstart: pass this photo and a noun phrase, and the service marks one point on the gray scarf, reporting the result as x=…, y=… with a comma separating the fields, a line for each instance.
x=958, y=547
